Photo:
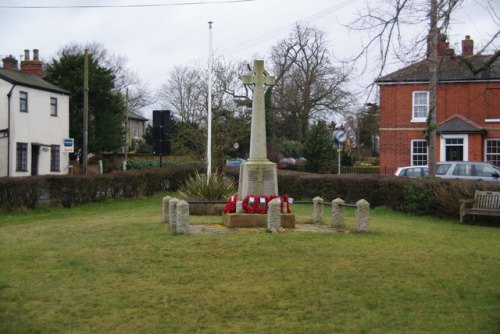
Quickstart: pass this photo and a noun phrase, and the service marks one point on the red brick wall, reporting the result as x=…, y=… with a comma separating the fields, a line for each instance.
x=472, y=100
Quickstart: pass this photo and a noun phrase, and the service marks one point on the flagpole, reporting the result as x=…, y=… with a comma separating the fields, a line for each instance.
x=209, y=119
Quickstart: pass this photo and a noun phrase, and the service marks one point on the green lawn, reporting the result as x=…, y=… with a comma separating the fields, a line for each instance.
x=113, y=268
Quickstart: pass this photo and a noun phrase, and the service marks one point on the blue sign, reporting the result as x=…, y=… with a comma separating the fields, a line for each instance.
x=69, y=145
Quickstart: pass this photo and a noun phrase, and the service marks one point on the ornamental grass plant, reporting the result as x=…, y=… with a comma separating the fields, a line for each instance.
x=216, y=187
x=112, y=267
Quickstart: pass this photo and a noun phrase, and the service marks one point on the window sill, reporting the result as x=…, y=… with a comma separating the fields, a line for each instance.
x=418, y=120
x=492, y=120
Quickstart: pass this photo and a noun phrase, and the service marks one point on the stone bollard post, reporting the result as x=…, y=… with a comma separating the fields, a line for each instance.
x=362, y=214
x=172, y=212
x=338, y=213
x=239, y=207
x=317, y=210
x=165, y=208
x=274, y=215
x=182, y=223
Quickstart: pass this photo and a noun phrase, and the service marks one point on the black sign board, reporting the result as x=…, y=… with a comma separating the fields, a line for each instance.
x=161, y=132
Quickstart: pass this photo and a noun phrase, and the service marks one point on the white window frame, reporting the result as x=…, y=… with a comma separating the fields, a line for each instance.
x=413, y=141
x=486, y=150
x=442, y=152
x=419, y=119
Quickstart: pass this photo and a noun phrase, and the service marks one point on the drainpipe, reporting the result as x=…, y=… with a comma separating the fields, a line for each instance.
x=9, y=95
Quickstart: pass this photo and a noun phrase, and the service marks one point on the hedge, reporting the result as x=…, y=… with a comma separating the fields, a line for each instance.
x=432, y=196
x=29, y=192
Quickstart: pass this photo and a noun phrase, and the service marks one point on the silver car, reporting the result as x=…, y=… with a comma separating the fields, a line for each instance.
x=468, y=170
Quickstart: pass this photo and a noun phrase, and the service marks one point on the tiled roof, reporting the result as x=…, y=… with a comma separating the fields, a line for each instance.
x=459, y=124
x=138, y=117
x=29, y=80
x=450, y=69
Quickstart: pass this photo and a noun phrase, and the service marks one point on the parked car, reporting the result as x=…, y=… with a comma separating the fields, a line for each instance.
x=235, y=162
x=291, y=163
x=468, y=170
x=412, y=171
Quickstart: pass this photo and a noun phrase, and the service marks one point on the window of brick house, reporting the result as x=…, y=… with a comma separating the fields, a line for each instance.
x=420, y=106
x=23, y=101
x=55, y=158
x=493, y=151
x=53, y=106
x=22, y=157
x=418, y=152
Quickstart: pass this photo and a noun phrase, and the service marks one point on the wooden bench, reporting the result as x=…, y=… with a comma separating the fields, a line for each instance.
x=485, y=203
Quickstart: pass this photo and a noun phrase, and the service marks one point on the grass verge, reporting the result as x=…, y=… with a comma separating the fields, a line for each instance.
x=113, y=268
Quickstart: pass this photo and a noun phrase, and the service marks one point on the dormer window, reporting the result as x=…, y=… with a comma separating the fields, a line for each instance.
x=420, y=107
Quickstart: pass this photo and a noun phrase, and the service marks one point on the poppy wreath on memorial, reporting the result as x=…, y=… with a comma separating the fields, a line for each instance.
x=260, y=204
x=254, y=204
x=230, y=206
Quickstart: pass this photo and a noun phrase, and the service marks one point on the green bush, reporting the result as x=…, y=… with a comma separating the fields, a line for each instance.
x=217, y=187
x=28, y=192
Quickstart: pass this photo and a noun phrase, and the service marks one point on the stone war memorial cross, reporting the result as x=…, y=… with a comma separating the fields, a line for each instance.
x=258, y=176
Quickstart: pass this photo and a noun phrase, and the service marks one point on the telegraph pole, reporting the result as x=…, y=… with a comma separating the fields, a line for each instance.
x=85, y=110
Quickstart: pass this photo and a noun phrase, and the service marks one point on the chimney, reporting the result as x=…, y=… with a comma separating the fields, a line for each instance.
x=467, y=46
x=10, y=63
x=442, y=45
x=35, y=66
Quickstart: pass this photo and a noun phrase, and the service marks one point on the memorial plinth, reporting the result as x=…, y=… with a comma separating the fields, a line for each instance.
x=258, y=177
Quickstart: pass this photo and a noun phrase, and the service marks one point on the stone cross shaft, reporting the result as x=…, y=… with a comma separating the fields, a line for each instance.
x=259, y=78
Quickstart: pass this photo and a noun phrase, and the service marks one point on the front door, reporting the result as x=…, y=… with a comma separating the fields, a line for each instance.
x=35, y=154
x=454, y=148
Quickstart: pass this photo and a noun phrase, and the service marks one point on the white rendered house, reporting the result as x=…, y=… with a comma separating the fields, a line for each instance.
x=34, y=120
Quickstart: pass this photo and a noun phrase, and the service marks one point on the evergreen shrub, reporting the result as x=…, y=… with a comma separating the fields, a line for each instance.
x=29, y=192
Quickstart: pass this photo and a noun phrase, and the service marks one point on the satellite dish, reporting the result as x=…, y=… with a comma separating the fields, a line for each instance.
x=340, y=136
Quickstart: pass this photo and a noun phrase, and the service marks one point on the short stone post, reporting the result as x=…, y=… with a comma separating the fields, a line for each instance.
x=172, y=212
x=338, y=213
x=239, y=207
x=274, y=215
x=182, y=223
x=362, y=215
x=317, y=210
x=165, y=208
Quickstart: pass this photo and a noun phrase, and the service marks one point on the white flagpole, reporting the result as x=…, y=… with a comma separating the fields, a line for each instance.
x=209, y=119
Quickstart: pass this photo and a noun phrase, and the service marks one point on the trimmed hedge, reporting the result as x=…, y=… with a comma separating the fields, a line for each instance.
x=29, y=192
x=431, y=196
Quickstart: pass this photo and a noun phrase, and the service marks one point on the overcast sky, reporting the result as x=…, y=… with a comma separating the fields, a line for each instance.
x=154, y=39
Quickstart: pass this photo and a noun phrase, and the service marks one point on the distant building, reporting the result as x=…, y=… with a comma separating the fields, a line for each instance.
x=467, y=111
x=136, y=125
x=34, y=120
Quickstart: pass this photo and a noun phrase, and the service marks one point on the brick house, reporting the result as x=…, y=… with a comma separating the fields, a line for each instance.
x=34, y=120
x=467, y=111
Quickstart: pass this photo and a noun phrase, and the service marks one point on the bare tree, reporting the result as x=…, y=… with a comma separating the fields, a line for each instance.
x=308, y=86
x=387, y=24
x=182, y=93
